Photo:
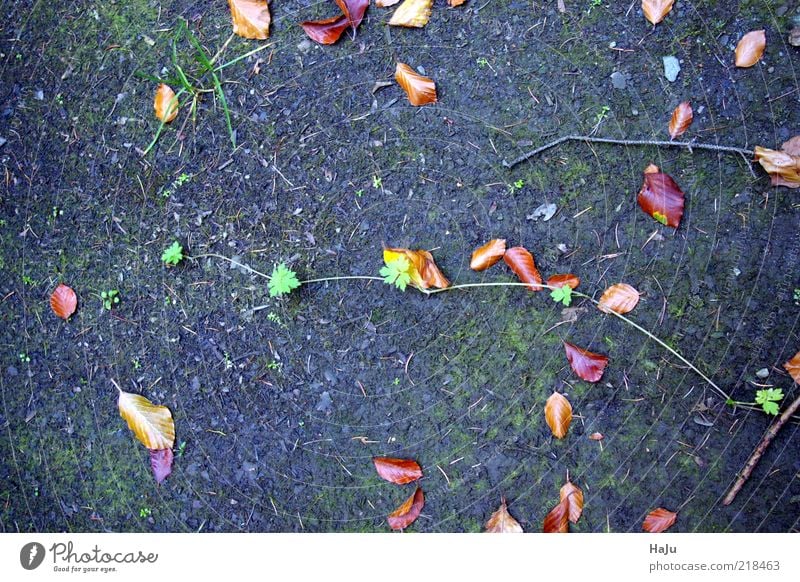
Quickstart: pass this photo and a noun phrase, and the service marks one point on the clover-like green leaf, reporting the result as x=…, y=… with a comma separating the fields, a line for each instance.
x=396, y=273
x=282, y=281
x=173, y=254
x=562, y=294
x=768, y=399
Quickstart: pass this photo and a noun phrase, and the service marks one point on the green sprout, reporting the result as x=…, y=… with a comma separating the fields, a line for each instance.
x=173, y=254
x=377, y=182
x=662, y=218
x=768, y=399
x=109, y=298
x=181, y=449
x=145, y=512
x=282, y=281
x=562, y=294
x=396, y=273
x=24, y=358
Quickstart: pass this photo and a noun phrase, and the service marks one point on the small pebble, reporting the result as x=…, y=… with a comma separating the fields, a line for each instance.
x=618, y=80
x=762, y=373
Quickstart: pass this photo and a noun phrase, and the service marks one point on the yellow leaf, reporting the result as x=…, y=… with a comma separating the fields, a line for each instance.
x=422, y=269
x=656, y=10
x=412, y=13
x=151, y=424
x=165, y=103
x=251, y=18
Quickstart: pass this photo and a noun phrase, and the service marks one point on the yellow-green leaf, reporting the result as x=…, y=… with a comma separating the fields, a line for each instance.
x=152, y=424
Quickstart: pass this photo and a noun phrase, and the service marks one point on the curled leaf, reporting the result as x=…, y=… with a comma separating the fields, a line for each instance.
x=412, y=13
x=399, y=471
x=620, y=298
x=165, y=103
x=521, y=262
x=557, y=520
x=422, y=269
x=161, y=463
x=420, y=90
x=354, y=10
x=487, y=255
x=750, y=48
x=250, y=18
x=501, y=521
x=782, y=166
x=656, y=10
x=681, y=119
x=567, y=279
x=587, y=365
x=409, y=511
x=793, y=367
x=558, y=414
x=151, y=424
x=661, y=197
x=63, y=301
x=326, y=31
x=659, y=520
x=573, y=494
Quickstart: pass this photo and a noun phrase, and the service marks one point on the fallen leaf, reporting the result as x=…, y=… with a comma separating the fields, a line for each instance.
x=557, y=520
x=412, y=13
x=567, y=279
x=522, y=263
x=656, y=10
x=63, y=301
x=251, y=18
x=750, y=48
x=587, y=365
x=399, y=471
x=558, y=414
x=793, y=367
x=420, y=90
x=661, y=197
x=405, y=515
x=151, y=424
x=454, y=3
x=659, y=520
x=620, y=298
x=165, y=103
x=573, y=494
x=782, y=166
x=681, y=119
x=326, y=31
x=423, y=270
x=487, y=255
x=501, y=521
x=596, y=436
x=354, y=10
x=161, y=463
x=385, y=3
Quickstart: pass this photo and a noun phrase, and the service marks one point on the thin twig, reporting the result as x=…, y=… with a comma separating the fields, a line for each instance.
x=629, y=142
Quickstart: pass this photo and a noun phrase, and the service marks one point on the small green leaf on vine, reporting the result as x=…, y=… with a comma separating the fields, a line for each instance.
x=662, y=218
x=282, y=281
x=562, y=294
x=396, y=273
x=768, y=399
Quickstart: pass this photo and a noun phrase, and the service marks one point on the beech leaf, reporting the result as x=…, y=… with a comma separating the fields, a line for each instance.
x=782, y=166
x=620, y=298
x=165, y=103
x=521, y=262
x=63, y=301
x=422, y=269
x=656, y=10
x=250, y=18
x=661, y=197
x=420, y=90
x=558, y=414
x=399, y=471
x=750, y=48
x=659, y=520
x=681, y=119
x=412, y=13
x=487, y=255
x=354, y=11
x=326, y=31
x=501, y=521
x=568, y=279
x=151, y=424
x=573, y=494
x=557, y=520
x=409, y=511
x=587, y=365
x=161, y=463
x=454, y=3
x=793, y=367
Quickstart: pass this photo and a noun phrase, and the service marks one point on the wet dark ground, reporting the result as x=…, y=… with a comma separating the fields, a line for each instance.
x=278, y=411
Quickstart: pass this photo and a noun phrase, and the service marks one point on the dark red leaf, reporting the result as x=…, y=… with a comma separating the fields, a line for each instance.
x=63, y=301
x=587, y=365
x=566, y=279
x=354, y=11
x=161, y=463
x=399, y=471
x=661, y=197
x=557, y=521
x=326, y=31
x=522, y=263
x=659, y=520
x=405, y=515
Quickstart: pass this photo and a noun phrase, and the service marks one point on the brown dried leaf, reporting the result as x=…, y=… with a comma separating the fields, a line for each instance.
x=501, y=521
x=573, y=494
x=558, y=414
x=522, y=263
x=656, y=10
x=326, y=31
x=165, y=103
x=422, y=268
x=420, y=90
x=659, y=520
x=399, y=471
x=661, y=197
x=782, y=166
x=567, y=279
x=681, y=119
x=412, y=13
x=250, y=18
x=750, y=48
x=793, y=367
x=557, y=521
x=620, y=298
x=63, y=301
x=587, y=365
x=487, y=255
x=161, y=463
x=405, y=515
x=151, y=424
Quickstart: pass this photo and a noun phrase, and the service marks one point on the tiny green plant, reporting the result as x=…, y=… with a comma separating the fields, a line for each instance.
x=377, y=182
x=28, y=281
x=173, y=254
x=273, y=365
x=562, y=294
x=176, y=184
x=768, y=399
x=273, y=317
x=360, y=193
x=24, y=358
x=110, y=298
x=282, y=281
x=396, y=381
x=796, y=296
x=396, y=273
x=601, y=116
x=145, y=512
x=482, y=62
x=181, y=449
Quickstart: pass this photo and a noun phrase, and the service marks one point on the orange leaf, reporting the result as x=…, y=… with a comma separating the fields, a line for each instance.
x=405, y=515
x=659, y=520
x=793, y=367
x=422, y=269
x=165, y=103
x=412, y=13
x=151, y=424
x=454, y=3
x=501, y=521
x=487, y=255
x=399, y=471
x=620, y=298
x=522, y=263
x=250, y=18
x=587, y=365
x=420, y=90
x=573, y=494
x=656, y=10
x=326, y=31
x=750, y=48
x=558, y=414
x=63, y=301
x=567, y=279
x=661, y=197
x=557, y=520
x=782, y=166
x=596, y=436
x=681, y=119
x=161, y=463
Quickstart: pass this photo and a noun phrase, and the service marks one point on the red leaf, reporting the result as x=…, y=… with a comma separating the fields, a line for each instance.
x=681, y=119
x=354, y=10
x=661, y=197
x=399, y=471
x=487, y=255
x=566, y=279
x=620, y=298
x=161, y=463
x=326, y=31
x=63, y=301
x=522, y=263
x=659, y=520
x=587, y=365
x=557, y=520
x=405, y=515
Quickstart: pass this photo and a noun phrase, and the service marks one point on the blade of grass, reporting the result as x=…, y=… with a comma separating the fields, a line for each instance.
x=218, y=68
x=221, y=95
